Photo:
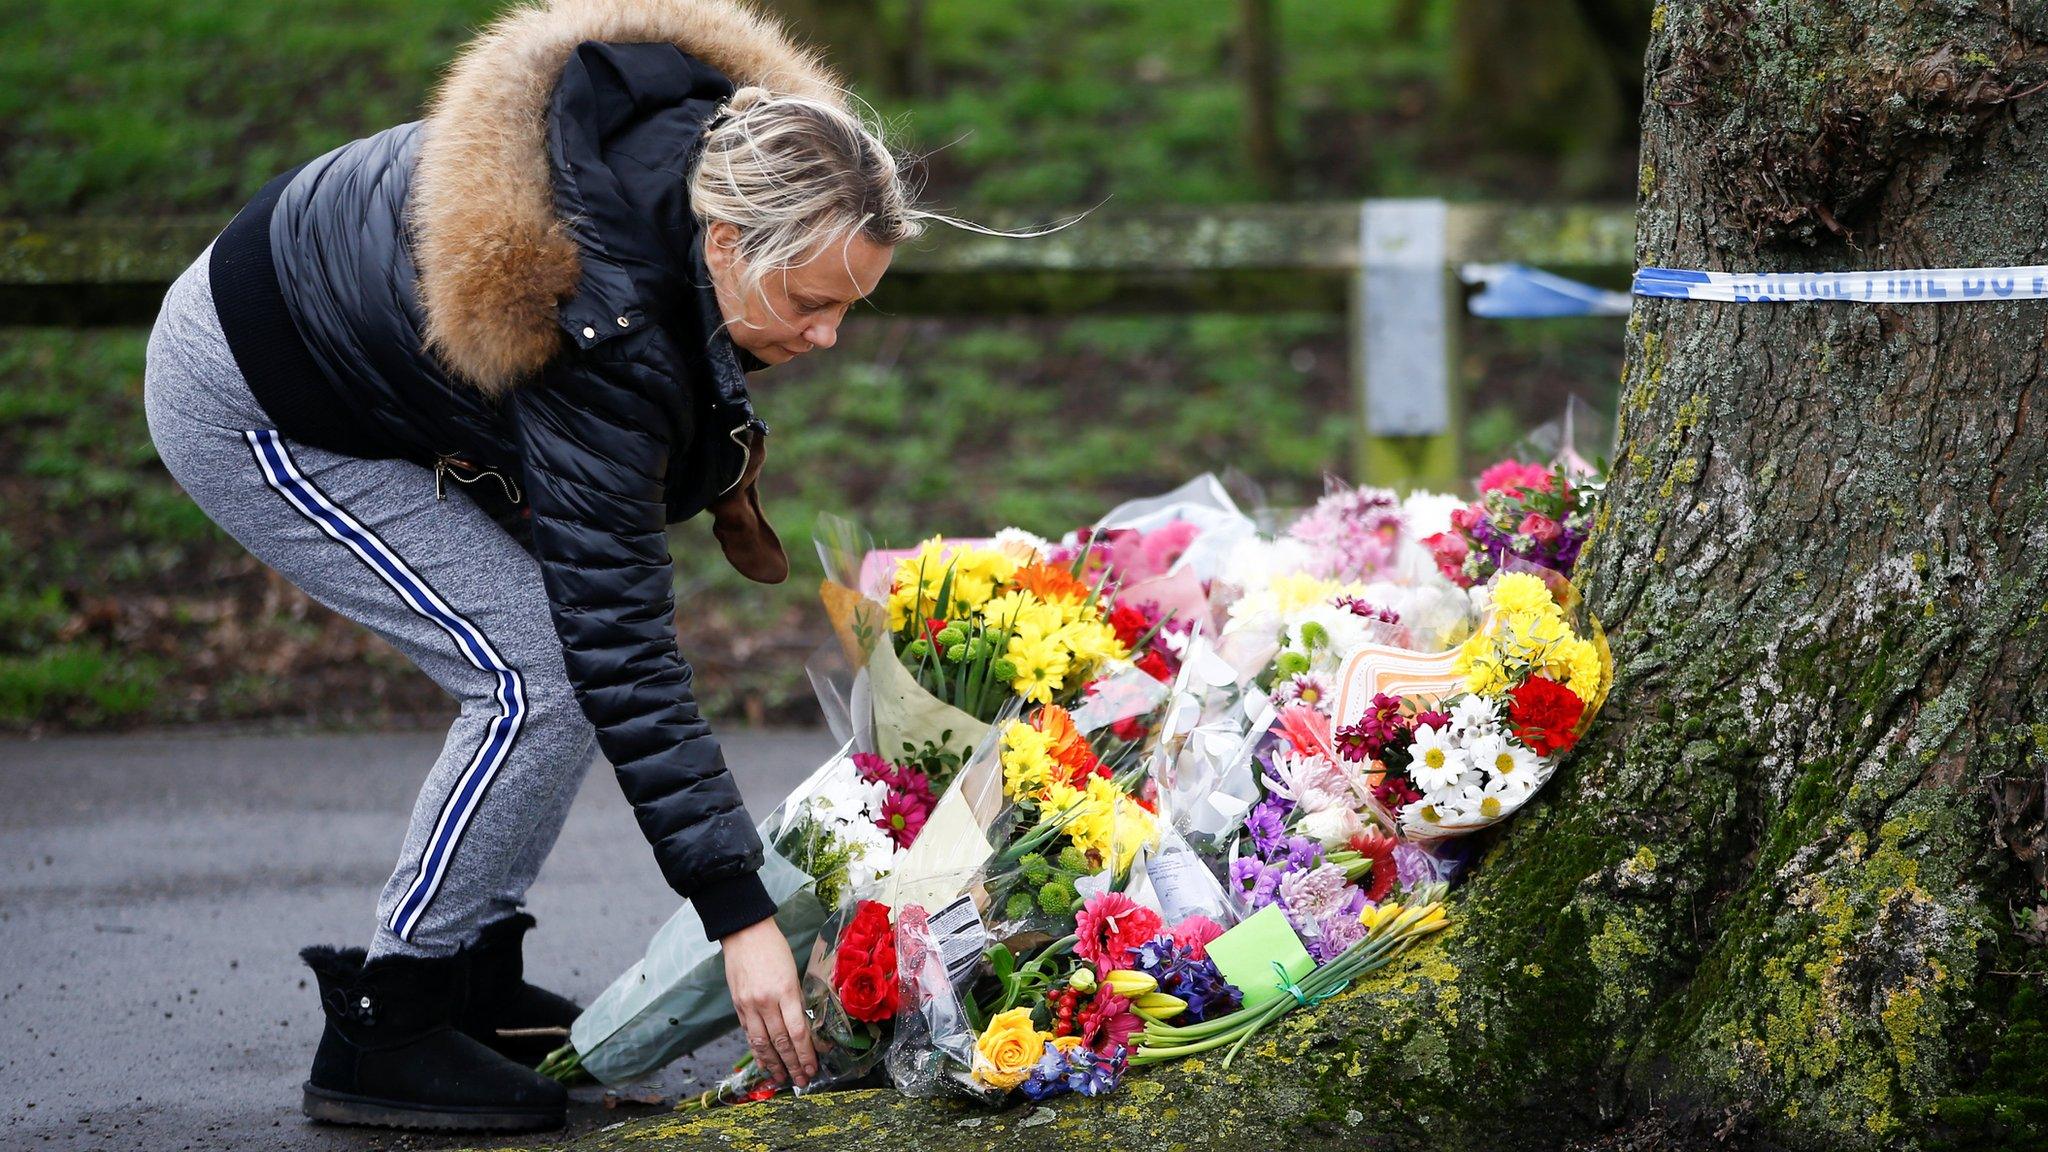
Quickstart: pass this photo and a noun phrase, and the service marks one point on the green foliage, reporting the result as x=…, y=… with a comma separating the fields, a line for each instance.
x=79, y=684
x=147, y=105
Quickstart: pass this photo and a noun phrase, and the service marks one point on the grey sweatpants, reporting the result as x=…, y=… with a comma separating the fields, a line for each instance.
x=438, y=578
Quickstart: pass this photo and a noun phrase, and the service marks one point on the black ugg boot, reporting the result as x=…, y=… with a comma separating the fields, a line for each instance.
x=512, y=1017
x=391, y=1057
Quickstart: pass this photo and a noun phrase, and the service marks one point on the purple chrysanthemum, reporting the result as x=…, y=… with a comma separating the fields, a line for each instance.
x=1267, y=824
x=1352, y=533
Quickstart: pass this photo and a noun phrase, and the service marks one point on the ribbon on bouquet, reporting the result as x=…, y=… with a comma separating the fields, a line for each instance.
x=1301, y=996
x=1900, y=286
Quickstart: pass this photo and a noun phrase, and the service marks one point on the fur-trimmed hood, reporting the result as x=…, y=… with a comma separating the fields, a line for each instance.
x=494, y=260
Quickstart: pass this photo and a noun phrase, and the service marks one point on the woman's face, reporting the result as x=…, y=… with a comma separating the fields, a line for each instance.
x=800, y=308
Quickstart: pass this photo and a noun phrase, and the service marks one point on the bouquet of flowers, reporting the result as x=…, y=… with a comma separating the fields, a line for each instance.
x=1532, y=513
x=844, y=829
x=1530, y=681
x=1135, y=794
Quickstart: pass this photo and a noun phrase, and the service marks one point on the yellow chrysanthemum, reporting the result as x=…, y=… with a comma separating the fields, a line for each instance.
x=1020, y=612
x=1092, y=642
x=1298, y=590
x=1580, y=668
x=1041, y=665
x=1530, y=637
x=1027, y=761
x=1111, y=824
x=1518, y=593
x=914, y=591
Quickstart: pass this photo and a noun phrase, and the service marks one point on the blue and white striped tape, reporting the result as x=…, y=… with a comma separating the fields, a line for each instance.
x=1904, y=286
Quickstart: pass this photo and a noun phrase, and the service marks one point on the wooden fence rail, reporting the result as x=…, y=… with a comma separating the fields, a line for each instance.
x=1389, y=265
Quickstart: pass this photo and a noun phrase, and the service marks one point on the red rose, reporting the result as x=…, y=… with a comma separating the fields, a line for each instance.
x=1155, y=666
x=863, y=936
x=864, y=970
x=870, y=995
x=1540, y=528
x=1130, y=728
x=1545, y=715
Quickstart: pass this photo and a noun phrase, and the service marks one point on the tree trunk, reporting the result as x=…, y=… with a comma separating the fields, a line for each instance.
x=1790, y=891
x=1258, y=28
x=1533, y=87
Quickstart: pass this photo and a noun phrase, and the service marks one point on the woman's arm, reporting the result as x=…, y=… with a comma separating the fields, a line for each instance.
x=594, y=437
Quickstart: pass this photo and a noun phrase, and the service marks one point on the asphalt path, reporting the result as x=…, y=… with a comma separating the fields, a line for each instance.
x=155, y=891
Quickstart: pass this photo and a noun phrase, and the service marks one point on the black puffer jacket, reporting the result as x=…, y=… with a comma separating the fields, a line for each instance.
x=516, y=285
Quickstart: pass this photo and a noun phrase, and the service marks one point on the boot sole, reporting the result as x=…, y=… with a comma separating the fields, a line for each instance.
x=343, y=1108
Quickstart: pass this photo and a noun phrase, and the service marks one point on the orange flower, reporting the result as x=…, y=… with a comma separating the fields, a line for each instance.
x=1070, y=750
x=1051, y=584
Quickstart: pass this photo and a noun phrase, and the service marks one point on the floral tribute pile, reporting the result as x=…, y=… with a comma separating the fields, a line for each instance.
x=1133, y=794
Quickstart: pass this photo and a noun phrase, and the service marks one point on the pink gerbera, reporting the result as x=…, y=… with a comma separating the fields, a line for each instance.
x=903, y=816
x=1307, y=729
x=1107, y=1023
x=1110, y=925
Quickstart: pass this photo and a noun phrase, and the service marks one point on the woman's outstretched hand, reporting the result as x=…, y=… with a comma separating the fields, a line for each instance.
x=762, y=976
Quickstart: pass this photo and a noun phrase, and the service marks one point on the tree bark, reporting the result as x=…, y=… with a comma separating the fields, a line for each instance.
x=1789, y=893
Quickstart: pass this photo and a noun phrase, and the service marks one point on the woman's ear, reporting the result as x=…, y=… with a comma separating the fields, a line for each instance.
x=721, y=246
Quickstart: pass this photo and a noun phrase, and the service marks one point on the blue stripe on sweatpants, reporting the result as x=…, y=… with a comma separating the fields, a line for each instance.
x=284, y=476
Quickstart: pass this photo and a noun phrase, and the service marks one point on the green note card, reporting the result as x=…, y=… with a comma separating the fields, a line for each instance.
x=1245, y=955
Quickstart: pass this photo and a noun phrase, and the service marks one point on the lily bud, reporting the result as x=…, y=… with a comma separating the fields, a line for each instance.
x=1129, y=984
x=1159, y=1006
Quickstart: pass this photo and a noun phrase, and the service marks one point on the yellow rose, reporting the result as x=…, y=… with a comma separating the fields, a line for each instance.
x=1007, y=1050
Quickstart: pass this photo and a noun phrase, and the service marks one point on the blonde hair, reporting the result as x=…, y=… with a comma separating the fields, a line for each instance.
x=796, y=173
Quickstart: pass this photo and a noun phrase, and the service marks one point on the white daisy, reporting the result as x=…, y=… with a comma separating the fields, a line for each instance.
x=1474, y=715
x=1505, y=761
x=1501, y=798
x=1466, y=801
x=1433, y=761
x=1420, y=814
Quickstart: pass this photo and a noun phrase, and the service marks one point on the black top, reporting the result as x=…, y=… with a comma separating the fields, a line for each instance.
x=625, y=431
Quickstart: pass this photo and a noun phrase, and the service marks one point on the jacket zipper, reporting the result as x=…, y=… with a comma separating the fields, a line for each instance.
x=445, y=467
x=739, y=436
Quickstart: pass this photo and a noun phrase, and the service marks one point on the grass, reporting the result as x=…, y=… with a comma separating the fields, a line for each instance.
x=121, y=603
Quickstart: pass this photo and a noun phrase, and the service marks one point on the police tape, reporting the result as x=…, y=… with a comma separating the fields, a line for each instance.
x=1905, y=286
